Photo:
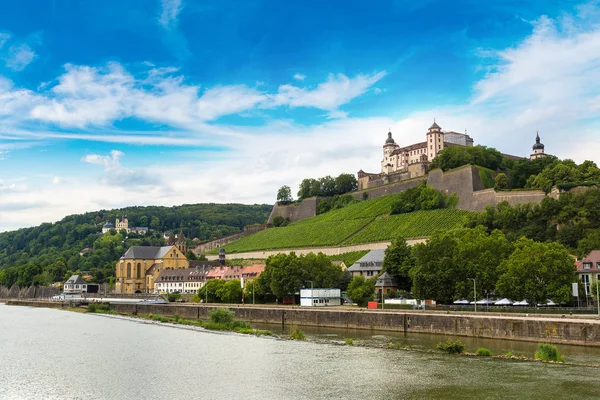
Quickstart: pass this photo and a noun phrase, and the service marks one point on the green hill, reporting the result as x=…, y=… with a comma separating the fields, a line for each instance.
x=364, y=222
x=44, y=254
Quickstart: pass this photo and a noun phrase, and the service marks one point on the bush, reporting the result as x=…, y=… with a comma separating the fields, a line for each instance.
x=451, y=346
x=548, y=352
x=173, y=297
x=222, y=316
x=297, y=334
x=98, y=307
x=92, y=308
x=483, y=352
x=349, y=341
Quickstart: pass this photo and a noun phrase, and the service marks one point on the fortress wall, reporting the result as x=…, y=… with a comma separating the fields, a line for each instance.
x=459, y=181
x=306, y=209
x=391, y=188
x=213, y=244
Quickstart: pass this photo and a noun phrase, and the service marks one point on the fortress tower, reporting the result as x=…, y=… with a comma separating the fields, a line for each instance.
x=435, y=141
x=538, y=148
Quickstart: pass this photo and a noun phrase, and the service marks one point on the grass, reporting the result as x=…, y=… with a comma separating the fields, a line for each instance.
x=349, y=341
x=483, y=352
x=296, y=333
x=350, y=257
x=451, y=346
x=364, y=222
x=548, y=352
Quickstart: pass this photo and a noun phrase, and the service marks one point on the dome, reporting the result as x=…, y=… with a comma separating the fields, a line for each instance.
x=538, y=145
x=108, y=225
x=389, y=139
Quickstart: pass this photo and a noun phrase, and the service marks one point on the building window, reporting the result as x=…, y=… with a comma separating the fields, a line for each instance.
x=128, y=270
x=139, y=270
x=598, y=264
x=587, y=265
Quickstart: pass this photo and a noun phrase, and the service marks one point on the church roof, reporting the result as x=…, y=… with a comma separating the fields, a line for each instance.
x=108, y=225
x=147, y=252
x=538, y=145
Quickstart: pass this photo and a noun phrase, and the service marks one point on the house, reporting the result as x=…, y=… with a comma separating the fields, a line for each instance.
x=186, y=281
x=140, y=266
x=588, y=270
x=340, y=264
x=369, y=265
x=385, y=284
x=320, y=297
x=237, y=272
x=76, y=285
x=86, y=251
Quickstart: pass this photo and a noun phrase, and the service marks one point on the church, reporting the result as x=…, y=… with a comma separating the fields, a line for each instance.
x=139, y=267
x=403, y=163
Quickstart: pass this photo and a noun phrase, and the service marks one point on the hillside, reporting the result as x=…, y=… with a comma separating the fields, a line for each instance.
x=44, y=254
x=364, y=222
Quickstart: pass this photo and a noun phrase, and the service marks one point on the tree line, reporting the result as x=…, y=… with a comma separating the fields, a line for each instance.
x=324, y=187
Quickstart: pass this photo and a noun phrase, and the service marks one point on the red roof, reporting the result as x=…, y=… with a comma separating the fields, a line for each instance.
x=593, y=258
x=236, y=272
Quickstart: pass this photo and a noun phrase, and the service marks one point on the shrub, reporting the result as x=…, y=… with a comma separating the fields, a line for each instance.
x=483, y=352
x=222, y=316
x=548, y=352
x=297, y=334
x=173, y=297
x=349, y=341
x=92, y=308
x=509, y=354
x=451, y=346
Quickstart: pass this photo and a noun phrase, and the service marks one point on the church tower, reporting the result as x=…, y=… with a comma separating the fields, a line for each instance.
x=181, y=243
x=538, y=148
x=387, y=164
x=435, y=141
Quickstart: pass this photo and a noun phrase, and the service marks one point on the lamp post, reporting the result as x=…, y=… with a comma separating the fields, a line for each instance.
x=474, y=293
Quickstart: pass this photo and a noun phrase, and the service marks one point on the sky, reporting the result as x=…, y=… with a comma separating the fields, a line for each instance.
x=107, y=104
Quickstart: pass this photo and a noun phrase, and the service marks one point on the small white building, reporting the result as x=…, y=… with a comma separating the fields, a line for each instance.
x=75, y=284
x=320, y=297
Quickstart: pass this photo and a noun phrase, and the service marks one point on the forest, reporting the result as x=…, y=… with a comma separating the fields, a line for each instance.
x=47, y=253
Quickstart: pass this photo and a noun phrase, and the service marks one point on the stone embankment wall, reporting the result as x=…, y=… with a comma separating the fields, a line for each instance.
x=533, y=328
x=213, y=244
x=29, y=292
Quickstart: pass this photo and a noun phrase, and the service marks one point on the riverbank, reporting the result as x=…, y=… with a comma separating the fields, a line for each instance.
x=525, y=328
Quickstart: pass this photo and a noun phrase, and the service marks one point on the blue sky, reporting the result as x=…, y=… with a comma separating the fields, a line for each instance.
x=112, y=103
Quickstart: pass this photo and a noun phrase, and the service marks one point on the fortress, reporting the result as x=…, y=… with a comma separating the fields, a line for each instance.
x=403, y=163
x=408, y=166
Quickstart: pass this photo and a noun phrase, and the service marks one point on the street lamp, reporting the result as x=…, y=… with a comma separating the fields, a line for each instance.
x=474, y=293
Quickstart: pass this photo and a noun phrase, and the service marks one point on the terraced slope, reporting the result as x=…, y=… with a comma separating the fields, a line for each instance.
x=364, y=222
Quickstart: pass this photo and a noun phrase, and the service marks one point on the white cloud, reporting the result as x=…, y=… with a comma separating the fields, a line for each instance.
x=299, y=77
x=4, y=37
x=117, y=175
x=19, y=57
x=169, y=13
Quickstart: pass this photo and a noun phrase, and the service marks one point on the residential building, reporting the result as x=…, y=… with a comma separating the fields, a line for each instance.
x=588, y=270
x=76, y=285
x=140, y=266
x=237, y=272
x=320, y=297
x=186, y=281
x=385, y=285
x=369, y=265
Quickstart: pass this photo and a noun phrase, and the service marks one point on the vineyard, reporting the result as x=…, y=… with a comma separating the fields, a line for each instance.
x=412, y=225
x=364, y=222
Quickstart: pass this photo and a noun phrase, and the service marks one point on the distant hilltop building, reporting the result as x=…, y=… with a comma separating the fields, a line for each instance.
x=403, y=163
x=123, y=223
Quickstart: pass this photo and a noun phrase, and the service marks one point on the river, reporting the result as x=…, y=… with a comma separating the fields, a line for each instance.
x=55, y=354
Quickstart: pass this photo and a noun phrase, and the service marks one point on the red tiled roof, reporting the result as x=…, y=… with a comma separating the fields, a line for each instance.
x=593, y=258
x=236, y=272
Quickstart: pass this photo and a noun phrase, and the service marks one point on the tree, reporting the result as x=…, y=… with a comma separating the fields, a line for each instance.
x=361, y=290
x=345, y=183
x=284, y=194
x=327, y=186
x=537, y=272
x=230, y=292
x=280, y=221
x=500, y=181
x=212, y=286
x=398, y=262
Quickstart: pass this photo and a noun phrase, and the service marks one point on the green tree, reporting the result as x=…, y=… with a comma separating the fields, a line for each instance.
x=398, y=262
x=212, y=286
x=284, y=194
x=361, y=290
x=345, y=183
x=501, y=181
x=537, y=272
x=230, y=292
x=327, y=186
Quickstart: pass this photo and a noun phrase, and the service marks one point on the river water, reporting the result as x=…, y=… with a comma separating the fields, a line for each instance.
x=54, y=354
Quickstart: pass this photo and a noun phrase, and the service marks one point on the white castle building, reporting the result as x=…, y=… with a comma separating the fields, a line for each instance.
x=402, y=163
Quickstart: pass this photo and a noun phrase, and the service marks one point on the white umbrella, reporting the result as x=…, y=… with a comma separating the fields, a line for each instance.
x=504, y=302
x=550, y=303
x=461, y=302
x=521, y=303
x=485, y=301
